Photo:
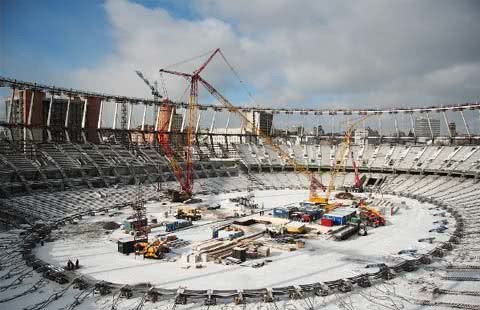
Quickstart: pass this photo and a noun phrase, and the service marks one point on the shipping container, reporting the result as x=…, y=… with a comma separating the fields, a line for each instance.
x=127, y=246
x=178, y=224
x=354, y=220
x=326, y=222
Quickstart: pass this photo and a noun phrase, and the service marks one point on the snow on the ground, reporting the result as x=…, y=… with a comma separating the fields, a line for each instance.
x=321, y=260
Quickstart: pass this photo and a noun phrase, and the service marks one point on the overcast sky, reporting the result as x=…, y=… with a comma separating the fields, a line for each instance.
x=316, y=54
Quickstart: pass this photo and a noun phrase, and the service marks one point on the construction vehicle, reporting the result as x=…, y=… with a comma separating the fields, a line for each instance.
x=178, y=196
x=188, y=213
x=371, y=216
x=154, y=250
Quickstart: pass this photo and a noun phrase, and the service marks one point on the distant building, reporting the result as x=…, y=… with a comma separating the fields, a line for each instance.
x=360, y=136
x=297, y=130
x=424, y=129
x=319, y=131
x=177, y=120
x=452, y=127
x=261, y=120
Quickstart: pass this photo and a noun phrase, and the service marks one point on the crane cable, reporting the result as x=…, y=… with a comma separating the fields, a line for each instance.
x=188, y=60
x=238, y=77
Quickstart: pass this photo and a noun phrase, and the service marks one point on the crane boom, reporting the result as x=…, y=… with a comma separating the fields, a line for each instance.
x=299, y=168
x=153, y=89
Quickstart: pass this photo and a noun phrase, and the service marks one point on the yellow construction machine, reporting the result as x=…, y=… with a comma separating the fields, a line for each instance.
x=337, y=167
x=188, y=213
x=154, y=250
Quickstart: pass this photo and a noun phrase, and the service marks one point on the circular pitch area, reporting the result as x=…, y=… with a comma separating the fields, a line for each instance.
x=321, y=259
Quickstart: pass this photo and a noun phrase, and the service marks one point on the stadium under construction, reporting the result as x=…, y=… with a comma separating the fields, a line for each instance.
x=109, y=201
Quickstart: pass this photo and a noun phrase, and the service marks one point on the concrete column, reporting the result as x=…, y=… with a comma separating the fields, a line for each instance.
x=100, y=115
x=429, y=125
x=228, y=123
x=130, y=106
x=198, y=121
x=171, y=120
x=157, y=117
x=184, y=116
x=12, y=103
x=30, y=109
x=114, y=126
x=412, y=124
x=84, y=119
x=241, y=126
x=49, y=117
x=212, y=124
x=67, y=115
x=446, y=123
x=144, y=115
x=465, y=123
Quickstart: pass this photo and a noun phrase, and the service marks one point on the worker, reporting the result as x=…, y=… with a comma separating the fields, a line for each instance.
x=77, y=264
x=69, y=265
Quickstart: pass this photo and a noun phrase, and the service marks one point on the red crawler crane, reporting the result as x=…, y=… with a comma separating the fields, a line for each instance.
x=186, y=178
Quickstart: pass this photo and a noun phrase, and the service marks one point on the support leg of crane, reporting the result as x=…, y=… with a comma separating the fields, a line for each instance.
x=321, y=289
x=268, y=295
x=239, y=299
x=364, y=281
x=153, y=295
x=210, y=301
x=180, y=298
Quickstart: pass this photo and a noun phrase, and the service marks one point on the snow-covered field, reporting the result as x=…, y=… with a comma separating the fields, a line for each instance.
x=320, y=260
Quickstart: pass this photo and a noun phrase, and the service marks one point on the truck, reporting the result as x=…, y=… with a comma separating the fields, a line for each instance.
x=188, y=213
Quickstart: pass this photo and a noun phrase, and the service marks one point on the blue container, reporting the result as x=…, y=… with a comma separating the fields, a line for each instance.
x=337, y=219
x=171, y=226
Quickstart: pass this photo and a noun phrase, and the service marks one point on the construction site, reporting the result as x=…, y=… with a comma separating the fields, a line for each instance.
x=176, y=211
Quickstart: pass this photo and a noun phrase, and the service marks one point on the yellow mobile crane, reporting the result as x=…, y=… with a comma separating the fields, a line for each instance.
x=338, y=165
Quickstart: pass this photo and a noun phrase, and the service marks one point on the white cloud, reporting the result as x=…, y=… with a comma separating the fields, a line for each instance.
x=293, y=53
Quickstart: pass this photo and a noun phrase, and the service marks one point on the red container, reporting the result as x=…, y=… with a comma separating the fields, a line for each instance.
x=326, y=222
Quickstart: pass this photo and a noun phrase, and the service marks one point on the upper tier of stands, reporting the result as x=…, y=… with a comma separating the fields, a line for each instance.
x=48, y=167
